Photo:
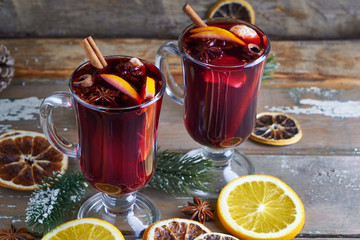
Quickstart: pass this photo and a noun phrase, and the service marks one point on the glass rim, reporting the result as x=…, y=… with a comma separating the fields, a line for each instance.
x=114, y=109
x=247, y=65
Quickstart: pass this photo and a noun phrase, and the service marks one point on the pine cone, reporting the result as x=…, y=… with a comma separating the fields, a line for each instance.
x=6, y=67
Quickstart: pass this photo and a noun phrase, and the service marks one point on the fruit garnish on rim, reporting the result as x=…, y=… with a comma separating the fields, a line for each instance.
x=26, y=158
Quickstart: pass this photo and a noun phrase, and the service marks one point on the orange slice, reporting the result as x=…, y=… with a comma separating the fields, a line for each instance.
x=216, y=33
x=122, y=85
x=108, y=188
x=175, y=228
x=149, y=88
x=239, y=9
x=260, y=207
x=215, y=236
x=276, y=128
x=85, y=228
x=25, y=158
x=231, y=142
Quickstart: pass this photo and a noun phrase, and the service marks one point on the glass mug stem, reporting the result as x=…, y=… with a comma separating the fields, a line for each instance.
x=57, y=99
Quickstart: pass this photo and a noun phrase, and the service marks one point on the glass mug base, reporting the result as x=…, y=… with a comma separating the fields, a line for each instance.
x=132, y=222
x=229, y=164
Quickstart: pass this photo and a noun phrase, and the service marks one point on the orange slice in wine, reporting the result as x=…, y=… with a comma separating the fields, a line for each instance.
x=25, y=158
x=122, y=85
x=108, y=188
x=216, y=33
x=149, y=88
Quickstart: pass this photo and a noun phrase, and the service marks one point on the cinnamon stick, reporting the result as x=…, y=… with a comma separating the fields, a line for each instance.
x=193, y=16
x=93, y=53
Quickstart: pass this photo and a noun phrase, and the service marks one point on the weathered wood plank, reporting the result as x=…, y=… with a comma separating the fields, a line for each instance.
x=281, y=19
x=325, y=64
x=329, y=187
x=322, y=134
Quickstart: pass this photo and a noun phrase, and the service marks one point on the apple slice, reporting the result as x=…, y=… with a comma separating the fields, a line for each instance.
x=215, y=33
x=149, y=90
x=246, y=33
x=122, y=85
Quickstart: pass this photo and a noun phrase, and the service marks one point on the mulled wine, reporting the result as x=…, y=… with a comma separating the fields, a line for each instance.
x=118, y=119
x=222, y=75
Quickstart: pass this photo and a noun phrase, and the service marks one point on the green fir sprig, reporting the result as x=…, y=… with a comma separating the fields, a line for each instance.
x=271, y=65
x=178, y=173
x=60, y=194
x=57, y=197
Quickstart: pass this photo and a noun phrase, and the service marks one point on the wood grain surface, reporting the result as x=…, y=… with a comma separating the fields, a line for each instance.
x=323, y=168
x=280, y=19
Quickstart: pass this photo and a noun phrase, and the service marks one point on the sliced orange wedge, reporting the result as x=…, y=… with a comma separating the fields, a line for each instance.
x=149, y=88
x=122, y=85
x=215, y=33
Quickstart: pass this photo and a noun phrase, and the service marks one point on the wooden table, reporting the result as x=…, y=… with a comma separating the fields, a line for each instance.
x=323, y=168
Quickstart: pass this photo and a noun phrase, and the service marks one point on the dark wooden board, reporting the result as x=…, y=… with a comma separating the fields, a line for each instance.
x=281, y=19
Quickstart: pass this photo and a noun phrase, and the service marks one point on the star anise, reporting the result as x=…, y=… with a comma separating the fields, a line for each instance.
x=210, y=52
x=104, y=97
x=12, y=234
x=199, y=210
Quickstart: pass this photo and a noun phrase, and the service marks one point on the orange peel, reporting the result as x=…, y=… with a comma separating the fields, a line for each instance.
x=216, y=33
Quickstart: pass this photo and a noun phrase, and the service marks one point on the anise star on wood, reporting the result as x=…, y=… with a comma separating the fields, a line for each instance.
x=103, y=96
x=199, y=210
x=12, y=234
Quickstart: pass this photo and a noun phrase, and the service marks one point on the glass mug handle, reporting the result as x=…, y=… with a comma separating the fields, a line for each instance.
x=174, y=91
x=56, y=99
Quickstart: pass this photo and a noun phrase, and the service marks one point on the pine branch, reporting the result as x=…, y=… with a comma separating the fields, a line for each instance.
x=61, y=194
x=56, y=197
x=176, y=173
x=271, y=65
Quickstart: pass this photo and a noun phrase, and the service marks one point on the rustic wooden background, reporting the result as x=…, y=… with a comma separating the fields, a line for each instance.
x=280, y=19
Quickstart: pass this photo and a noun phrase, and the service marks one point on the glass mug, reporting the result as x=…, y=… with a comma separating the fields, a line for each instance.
x=117, y=148
x=219, y=103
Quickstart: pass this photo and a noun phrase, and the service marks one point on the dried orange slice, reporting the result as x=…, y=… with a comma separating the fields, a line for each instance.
x=216, y=236
x=239, y=9
x=25, y=158
x=276, y=128
x=108, y=188
x=260, y=207
x=175, y=228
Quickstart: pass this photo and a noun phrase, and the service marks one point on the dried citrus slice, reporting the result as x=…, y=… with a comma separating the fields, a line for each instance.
x=108, y=188
x=85, y=228
x=260, y=207
x=215, y=236
x=276, y=128
x=239, y=9
x=175, y=228
x=25, y=158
